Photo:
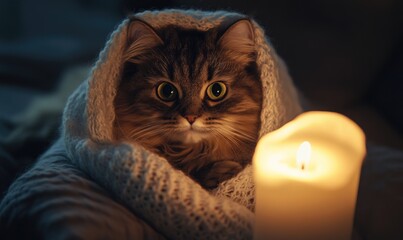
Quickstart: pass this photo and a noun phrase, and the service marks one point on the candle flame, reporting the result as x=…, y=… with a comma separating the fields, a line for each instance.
x=303, y=155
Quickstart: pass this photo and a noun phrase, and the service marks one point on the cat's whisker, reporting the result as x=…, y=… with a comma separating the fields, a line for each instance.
x=235, y=131
x=226, y=134
x=233, y=144
x=146, y=131
x=231, y=141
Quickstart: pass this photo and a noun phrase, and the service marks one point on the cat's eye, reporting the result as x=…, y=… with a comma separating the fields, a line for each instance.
x=167, y=92
x=216, y=91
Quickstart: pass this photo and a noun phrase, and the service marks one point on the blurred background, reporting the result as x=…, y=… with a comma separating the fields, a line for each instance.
x=344, y=56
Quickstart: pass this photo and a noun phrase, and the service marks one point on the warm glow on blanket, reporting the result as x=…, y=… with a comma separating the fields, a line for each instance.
x=306, y=176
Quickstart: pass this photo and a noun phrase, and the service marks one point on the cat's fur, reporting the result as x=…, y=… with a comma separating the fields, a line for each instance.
x=223, y=137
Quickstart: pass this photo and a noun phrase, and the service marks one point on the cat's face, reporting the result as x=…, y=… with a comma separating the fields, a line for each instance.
x=185, y=87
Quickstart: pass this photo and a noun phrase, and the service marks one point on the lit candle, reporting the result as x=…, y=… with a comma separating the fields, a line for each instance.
x=307, y=175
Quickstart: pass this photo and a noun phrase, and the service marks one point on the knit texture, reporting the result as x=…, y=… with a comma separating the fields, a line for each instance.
x=145, y=182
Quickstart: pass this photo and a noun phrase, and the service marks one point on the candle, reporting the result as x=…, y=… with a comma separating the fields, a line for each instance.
x=306, y=176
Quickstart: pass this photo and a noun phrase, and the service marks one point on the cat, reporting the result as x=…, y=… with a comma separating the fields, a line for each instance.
x=193, y=97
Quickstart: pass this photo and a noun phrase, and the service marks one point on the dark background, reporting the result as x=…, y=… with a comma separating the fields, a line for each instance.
x=344, y=56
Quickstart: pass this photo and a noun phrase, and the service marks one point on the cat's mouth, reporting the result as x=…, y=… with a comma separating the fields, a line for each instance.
x=191, y=133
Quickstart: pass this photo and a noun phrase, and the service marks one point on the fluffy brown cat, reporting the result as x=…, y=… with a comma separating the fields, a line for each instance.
x=193, y=97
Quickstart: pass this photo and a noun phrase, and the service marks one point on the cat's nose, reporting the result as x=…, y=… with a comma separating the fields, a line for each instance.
x=191, y=118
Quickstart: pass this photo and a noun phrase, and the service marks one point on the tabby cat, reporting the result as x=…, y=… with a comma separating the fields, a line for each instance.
x=192, y=96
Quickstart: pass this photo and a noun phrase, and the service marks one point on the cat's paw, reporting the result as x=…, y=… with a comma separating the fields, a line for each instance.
x=219, y=172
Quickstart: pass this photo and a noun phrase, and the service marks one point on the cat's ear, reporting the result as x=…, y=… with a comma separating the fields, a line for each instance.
x=141, y=38
x=239, y=39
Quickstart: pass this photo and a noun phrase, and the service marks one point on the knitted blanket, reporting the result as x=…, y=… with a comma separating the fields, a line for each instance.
x=146, y=183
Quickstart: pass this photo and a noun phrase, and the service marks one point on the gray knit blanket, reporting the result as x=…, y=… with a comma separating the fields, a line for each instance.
x=165, y=197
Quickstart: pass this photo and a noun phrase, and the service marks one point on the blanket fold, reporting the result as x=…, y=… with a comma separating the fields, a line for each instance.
x=54, y=200
x=165, y=197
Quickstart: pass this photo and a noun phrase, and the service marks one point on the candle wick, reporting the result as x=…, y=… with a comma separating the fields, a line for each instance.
x=303, y=154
